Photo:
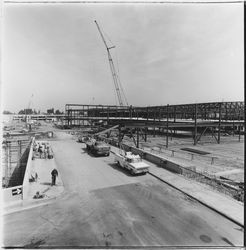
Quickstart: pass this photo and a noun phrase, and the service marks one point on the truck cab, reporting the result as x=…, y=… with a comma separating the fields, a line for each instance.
x=131, y=162
x=98, y=147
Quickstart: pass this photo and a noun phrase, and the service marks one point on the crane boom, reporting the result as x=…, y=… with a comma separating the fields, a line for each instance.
x=112, y=67
x=108, y=48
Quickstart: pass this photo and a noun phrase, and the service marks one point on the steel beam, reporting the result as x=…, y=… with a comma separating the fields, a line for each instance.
x=199, y=138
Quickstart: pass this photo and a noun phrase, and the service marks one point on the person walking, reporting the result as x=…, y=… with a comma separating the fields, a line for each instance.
x=54, y=174
x=40, y=151
x=45, y=153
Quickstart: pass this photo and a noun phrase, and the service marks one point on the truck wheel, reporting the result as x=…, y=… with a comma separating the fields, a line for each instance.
x=132, y=173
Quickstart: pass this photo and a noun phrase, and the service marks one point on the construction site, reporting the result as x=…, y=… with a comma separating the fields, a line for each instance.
x=195, y=155
x=192, y=132
x=126, y=176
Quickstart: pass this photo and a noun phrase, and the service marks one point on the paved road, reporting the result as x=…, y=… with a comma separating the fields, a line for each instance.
x=105, y=206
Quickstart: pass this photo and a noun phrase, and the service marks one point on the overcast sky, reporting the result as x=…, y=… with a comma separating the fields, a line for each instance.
x=166, y=54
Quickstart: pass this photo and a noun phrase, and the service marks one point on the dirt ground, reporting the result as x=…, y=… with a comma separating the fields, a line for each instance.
x=225, y=159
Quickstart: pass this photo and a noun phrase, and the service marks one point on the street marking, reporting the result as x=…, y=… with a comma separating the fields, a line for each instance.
x=17, y=191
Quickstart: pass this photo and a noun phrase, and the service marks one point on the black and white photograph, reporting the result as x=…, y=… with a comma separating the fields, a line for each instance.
x=122, y=124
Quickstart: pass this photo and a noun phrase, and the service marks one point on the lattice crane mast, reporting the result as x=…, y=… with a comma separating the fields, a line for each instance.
x=112, y=68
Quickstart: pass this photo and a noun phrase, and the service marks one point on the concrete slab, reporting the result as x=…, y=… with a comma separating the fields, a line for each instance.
x=223, y=204
x=43, y=168
x=104, y=206
x=218, y=201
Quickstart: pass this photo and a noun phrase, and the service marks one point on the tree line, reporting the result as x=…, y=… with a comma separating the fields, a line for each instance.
x=51, y=111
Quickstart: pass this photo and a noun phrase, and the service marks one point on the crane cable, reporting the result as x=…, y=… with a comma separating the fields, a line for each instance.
x=118, y=86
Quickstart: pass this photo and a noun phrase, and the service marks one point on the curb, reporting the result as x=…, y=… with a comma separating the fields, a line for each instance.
x=196, y=199
x=23, y=207
x=31, y=203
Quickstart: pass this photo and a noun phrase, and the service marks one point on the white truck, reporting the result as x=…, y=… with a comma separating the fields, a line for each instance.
x=133, y=163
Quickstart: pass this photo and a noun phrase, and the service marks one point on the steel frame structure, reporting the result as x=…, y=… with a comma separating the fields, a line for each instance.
x=198, y=118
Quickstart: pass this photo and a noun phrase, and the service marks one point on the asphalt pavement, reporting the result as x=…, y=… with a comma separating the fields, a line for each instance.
x=103, y=205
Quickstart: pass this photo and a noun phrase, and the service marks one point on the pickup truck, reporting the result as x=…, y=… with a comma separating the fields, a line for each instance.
x=131, y=162
x=83, y=139
x=98, y=147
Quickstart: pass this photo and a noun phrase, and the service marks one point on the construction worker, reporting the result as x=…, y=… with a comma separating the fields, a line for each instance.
x=36, y=177
x=40, y=151
x=45, y=153
x=38, y=195
x=54, y=174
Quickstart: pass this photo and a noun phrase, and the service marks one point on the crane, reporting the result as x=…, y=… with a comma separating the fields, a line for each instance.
x=28, y=109
x=113, y=71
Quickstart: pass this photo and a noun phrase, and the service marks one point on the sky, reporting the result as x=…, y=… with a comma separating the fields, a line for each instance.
x=52, y=54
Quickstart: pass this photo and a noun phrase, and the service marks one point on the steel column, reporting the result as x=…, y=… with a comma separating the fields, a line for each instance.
x=239, y=128
x=145, y=134
x=119, y=139
x=107, y=116
x=154, y=121
x=167, y=126
x=219, y=123
x=239, y=132
x=174, y=114
x=195, y=128
x=137, y=137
